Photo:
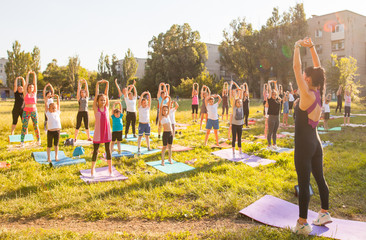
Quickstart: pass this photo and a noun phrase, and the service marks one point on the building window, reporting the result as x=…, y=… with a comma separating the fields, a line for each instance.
x=338, y=45
x=318, y=33
x=338, y=28
x=319, y=49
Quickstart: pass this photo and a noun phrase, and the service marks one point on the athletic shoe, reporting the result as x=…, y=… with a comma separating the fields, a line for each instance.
x=274, y=147
x=323, y=218
x=304, y=229
x=39, y=143
x=270, y=148
x=111, y=174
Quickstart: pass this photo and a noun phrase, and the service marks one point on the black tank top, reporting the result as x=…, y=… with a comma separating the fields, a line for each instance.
x=19, y=100
x=339, y=98
x=303, y=130
x=246, y=103
x=224, y=100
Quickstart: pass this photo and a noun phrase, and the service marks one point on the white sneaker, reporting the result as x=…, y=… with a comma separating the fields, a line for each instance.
x=111, y=174
x=274, y=147
x=39, y=143
x=323, y=218
x=270, y=148
x=304, y=229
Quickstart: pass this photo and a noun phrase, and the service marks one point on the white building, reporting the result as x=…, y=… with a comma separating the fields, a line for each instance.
x=3, y=61
x=141, y=64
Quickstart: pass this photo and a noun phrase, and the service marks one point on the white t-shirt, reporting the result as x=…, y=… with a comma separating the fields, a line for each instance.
x=144, y=115
x=291, y=98
x=212, y=111
x=54, y=120
x=172, y=115
x=326, y=107
x=347, y=101
x=131, y=104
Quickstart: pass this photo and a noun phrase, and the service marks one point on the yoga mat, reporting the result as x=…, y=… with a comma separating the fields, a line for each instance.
x=176, y=167
x=27, y=145
x=133, y=149
x=335, y=116
x=180, y=128
x=64, y=134
x=250, y=160
x=251, y=122
x=331, y=129
x=276, y=212
x=130, y=137
x=358, y=114
x=115, y=154
x=353, y=125
x=16, y=138
x=326, y=144
x=178, y=148
x=83, y=143
x=182, y=124
x=41, y=157
x=291, y=134
x=91, y=132
x=265, y=137
x=101, y=175
x=221, y=145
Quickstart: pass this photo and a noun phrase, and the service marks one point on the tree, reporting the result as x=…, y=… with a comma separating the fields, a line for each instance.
x=20, y=62
x=174, y=55
x=129, y=67
x=73, y=71
x=346, y=68
x=57, y=76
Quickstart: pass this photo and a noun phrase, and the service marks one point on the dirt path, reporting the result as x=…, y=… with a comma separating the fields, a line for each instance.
x=132, y=227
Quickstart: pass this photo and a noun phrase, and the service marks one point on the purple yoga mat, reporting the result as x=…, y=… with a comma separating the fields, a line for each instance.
x=101, y=175
x=251, y=160
x=280, y=213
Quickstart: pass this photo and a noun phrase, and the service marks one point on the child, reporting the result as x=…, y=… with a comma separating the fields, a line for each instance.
x=285, y=109
x=82, y=95
x=326, y=110
x=213, y=120
x=225, y=101
x=144, y=106
x=102, y=132
x=172, y=112
x=54, y=125
x=168, y=131
x=205, y=91
x=47, y=96
x=246, y=103
x=131, y=109
x=117, y=126
x=236, y=123
x=162, y=93
x=347, y=105
x=195, y=101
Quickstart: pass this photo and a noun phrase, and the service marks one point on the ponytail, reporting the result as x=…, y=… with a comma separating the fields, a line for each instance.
x=318, y=79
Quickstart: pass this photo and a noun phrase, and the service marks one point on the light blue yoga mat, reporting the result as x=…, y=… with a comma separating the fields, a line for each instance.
x=41, y=157
x=123, y=154
x=134, y=149
x=91, y=132
x=130, y=137
x=176, y=167
x=16, y=138
x=331, y=129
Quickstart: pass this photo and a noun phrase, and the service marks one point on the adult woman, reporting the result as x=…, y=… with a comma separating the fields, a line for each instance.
x=273, y=104
x=30, y=108
x=18, y=103
x=82, y=96
x=225, y=101
x=347, y=105
x=236, y=123
x=195, y=101
x=246, y=103
x=339, y=100
x=308, y=148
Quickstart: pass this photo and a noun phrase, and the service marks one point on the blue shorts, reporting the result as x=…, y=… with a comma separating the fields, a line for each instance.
x=144, y=128
x=212, y=123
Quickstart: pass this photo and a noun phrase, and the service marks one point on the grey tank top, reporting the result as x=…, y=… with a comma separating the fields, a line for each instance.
x=238, y=116
x=83, y=105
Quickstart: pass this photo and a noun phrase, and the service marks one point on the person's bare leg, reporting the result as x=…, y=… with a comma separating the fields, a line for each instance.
x=148, y=142
x=217, y=137
x=92, y=170
x=109, y=161
x=202, y=115
x=49, y=154
x=111, y=146
x=229, y=133
x=56, y=153
x=163, y=155
x=139, y=143
x=344, y=121
x=207, y=133
x=76, y=134
x=170, y=153
x=13, y=129
x=348, y=119
x=88, y=134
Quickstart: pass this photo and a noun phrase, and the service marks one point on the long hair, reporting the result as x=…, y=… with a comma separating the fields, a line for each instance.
x=99, y=96
x=318, y=78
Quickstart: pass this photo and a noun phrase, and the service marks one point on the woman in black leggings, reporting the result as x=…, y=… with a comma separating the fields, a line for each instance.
x=246, y=103
x=339, y=100
x=308, y=148
x=273, y=104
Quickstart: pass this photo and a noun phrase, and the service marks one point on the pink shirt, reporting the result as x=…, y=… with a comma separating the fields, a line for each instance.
x=102, y=131
x=30, y=98
x=195, y=100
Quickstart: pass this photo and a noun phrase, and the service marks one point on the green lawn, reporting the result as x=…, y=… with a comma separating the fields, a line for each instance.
x=216, y=189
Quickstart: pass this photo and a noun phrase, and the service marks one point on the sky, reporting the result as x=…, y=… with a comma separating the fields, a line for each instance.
x=88, y=27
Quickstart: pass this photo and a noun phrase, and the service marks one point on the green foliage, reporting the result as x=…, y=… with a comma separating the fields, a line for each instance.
x=174, y=55
x=129, y=67
x=20, y=62
x=108, y=70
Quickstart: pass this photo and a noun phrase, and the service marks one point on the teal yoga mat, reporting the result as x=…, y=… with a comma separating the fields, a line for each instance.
x=41, y=157
x=134, y=149
x=331, y=129
x=130, y=137
x=176, y=167
x=16, y=138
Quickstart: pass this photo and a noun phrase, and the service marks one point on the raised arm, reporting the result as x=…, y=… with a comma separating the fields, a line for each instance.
x=291, y=89
x=34, y=81
x=78, y=90
x=161, y=88
x=246, y=88
x=314, y=55
x=135, y=91
x=304, y=89
x=45, y=100
x=220, y=99
x=117, y=103
x=119, y=90
x=206, y=99
x=169, y=102
x=265, y=89
x=203, y=90
x=141, y=97
x=44, y=91
x=58, y=102
x=176, y=105
x=208, y=90
x=95, y=103
x=167, y=87
x=106, y=92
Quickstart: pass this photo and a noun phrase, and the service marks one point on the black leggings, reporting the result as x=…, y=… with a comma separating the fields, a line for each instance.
x=17, y=113
x=309, y=158
x=339, y=105
x=273, y=123
x=107, y=150
x=236, y=130
x=130, y=118
x=83, y=115
x=347, y=111
x=194, y=109
x=246, y=115
x=53, y=135
x=225, y=107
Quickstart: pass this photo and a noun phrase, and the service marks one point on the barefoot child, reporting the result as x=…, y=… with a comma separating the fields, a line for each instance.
x=54, y=126
x=82, y=95
x=48, y=97
x=117, y=126
x=168, y=130
x=102, y=132
x=213, y=120
x=144, y=106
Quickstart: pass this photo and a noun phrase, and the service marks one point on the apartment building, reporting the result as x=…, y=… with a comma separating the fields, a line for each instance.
x=3, y=61
x=342, y=33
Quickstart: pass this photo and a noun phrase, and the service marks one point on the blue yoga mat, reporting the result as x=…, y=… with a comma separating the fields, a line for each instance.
x=331, y=129
x=16, y=138
x=176, y=167
x=91, y=132
x=41, y=157
x=134, y=149
x=130, y=137
x=123, y=154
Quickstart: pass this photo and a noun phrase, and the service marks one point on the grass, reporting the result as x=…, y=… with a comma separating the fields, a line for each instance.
x=216, y=189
